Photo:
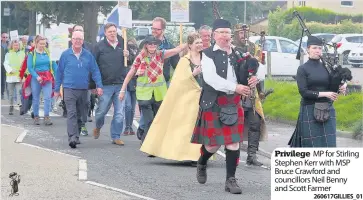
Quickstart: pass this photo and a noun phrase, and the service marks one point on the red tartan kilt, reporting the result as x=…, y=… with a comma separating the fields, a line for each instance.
x=209, y=130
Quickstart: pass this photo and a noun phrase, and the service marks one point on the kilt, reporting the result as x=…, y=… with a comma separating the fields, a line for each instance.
x=310, y=133
x=209, y=130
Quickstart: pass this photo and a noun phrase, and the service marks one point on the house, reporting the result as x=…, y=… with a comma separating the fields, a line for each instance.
x=352, y=7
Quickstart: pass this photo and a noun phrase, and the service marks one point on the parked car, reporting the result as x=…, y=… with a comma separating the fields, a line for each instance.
x=283, y=54
x=345, y=43
x=355, y=57
x=326, y=36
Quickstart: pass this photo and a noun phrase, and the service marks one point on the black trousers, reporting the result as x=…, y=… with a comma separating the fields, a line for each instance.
x=3, y=80
x=253, y=122
x=149, y=108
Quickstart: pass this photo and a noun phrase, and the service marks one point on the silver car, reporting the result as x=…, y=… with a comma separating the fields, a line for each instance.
x=355, y=57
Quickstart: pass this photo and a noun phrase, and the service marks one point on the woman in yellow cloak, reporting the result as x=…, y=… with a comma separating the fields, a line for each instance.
x=170, y=133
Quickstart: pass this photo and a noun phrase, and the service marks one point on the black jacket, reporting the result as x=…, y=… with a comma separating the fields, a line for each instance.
x=111, y=61
x=133, y=53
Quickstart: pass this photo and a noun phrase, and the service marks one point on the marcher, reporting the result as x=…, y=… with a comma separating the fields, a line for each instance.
x=170, y=132
x=206, y=34
x=75, y=64
x=109, y=54
x=221, y=118
x=158, y=31
x=12, y=64
x=313, y=81
x=255, y=127
x=130, y=93
x=151, y=86
x=42, y=71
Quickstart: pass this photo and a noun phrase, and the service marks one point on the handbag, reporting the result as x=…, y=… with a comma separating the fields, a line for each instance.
x=228, y=115
x=321, y=111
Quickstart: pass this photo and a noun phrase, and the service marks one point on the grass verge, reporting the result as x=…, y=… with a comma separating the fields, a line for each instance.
x=284, y=104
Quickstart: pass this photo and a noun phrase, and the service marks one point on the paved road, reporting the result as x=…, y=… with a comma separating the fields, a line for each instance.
x=129, y=169
x=357, y=75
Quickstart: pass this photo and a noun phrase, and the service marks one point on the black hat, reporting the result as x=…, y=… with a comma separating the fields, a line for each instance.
x=312, y=40
x=151, y=40
x=221, y=23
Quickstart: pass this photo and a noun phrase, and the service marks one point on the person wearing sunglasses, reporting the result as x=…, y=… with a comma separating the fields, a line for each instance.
x=151, y=85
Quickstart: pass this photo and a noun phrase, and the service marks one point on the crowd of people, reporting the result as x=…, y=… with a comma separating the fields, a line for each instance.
x=212, y=99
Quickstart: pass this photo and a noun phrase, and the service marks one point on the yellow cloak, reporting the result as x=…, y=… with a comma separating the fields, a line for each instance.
x=170, y=133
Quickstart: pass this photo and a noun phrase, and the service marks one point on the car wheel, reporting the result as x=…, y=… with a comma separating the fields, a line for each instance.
x=357, y=66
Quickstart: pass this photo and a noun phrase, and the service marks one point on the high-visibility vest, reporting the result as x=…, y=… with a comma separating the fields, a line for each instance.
x=145, y=90
x=15, y=61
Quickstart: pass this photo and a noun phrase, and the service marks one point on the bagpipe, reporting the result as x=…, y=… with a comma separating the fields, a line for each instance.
x=338, y=74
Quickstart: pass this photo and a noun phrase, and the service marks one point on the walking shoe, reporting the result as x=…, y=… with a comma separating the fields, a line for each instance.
x=65, y=113
x=78, y=141
x=118, y=142
x=96, y=133
x=11, y=110
x=201, y=173
x=73, y=144
x=252, y=160
x=84, y=131
x=139, y=132
x=47, y=121
x=232, y=186
x=36, y=121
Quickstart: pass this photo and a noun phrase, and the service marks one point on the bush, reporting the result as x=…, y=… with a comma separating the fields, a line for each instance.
x=284, y=104
x=320, y=15
x=282, y=23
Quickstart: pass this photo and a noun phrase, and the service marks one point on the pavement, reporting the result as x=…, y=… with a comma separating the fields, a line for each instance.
x=44, y=174
x=126, y=171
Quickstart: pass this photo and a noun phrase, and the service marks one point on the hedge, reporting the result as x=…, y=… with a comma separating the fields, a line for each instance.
x=284, y=104
x=321, y=15
x=279, y=25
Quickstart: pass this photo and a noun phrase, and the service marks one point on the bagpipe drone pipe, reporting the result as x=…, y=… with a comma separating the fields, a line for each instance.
x=338, y=74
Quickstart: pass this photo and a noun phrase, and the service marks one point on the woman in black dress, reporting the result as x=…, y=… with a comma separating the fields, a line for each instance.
x=316, y=125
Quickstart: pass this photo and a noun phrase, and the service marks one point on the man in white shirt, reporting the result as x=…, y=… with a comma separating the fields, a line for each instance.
x=221, y=116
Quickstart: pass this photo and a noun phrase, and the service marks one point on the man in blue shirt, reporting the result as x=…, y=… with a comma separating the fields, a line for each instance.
x=75, y=64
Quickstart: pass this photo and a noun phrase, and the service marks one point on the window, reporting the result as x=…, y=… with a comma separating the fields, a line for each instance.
x=346, y=3
x=301, y=3
x=355, y=39
x=288, y=47
x=270, y=45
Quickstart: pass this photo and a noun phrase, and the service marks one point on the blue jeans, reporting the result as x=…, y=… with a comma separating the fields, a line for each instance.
x=47, y=95
x=130, y=109
x=110, y=96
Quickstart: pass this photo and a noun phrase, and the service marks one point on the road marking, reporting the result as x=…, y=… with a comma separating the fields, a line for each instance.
x=21, y=137
x=41, y=112
x=50, y=150
x=119, y=190
x=82, y=169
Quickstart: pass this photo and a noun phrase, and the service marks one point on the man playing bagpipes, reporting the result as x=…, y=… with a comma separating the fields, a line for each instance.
x=254, y=116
